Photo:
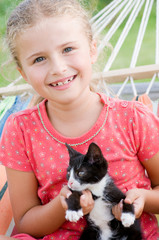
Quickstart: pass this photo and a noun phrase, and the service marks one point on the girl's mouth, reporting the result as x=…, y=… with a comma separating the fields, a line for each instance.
x=58, y=84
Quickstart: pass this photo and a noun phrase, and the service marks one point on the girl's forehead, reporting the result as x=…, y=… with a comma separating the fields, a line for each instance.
x=58, y=23
x=54, y=32
x=54, y=28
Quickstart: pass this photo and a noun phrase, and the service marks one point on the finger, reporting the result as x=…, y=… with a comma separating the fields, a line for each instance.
x=131, y=196
x=86, y=198
x=88, y=195
x=86, y=202
x=116, y=212
x=63, y=202
x=138, y=212
x=138, y=206
x=65, y=191
x=83, y=200
x=68, y=194
x=117, y=209
x=128, y=200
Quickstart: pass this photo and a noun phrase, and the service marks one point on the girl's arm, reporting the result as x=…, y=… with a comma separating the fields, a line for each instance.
x=144, y=200
x=150, y=197
x=30, y=216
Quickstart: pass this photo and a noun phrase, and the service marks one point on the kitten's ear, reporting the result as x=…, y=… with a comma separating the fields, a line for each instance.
x=94, y=153
x=72, y=152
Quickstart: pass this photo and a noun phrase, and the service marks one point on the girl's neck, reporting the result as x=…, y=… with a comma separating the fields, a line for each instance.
x=71, y=109
x=82, y=112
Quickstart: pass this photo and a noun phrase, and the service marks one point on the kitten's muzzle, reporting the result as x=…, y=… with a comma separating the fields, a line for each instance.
x=70, y=184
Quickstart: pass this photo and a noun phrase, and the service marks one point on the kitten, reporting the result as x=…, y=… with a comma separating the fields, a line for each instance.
x=90, y=172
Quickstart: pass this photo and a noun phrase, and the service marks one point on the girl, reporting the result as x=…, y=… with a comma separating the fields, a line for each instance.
x=53, y=46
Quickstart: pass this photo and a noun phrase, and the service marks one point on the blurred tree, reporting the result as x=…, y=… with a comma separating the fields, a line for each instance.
x=93, y=6
x=6, y=7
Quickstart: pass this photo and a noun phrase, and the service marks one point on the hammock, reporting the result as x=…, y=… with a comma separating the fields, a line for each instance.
x=113, y=15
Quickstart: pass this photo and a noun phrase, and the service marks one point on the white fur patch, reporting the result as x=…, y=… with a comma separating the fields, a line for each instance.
x=127, y=219
x=73, y=183
x=73, y=216
x=101, y=215
x=98, y=188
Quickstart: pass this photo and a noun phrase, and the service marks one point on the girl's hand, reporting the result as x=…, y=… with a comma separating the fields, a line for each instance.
x=86, y=200
x=64, y=193
x=135, y=197
x=117, y=209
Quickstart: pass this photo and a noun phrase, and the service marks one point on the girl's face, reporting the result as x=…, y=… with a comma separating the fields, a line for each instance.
x=56, y=58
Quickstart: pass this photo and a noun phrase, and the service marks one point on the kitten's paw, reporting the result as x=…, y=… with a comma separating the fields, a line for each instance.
x=73, y=216
x=127, y=219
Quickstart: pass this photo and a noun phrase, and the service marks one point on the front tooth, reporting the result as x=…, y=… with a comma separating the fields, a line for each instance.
x=65, y=82
x=60, y=84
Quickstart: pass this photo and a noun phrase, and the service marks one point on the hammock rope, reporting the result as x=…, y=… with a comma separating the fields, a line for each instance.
x=121, y=10
x=124, y=33
x=141, y=32
x=116, y=24
x=140, y=36
x=102, y=24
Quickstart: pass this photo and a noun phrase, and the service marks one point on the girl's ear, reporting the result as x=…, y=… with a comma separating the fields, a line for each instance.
x=22, y=73
x=93, y=51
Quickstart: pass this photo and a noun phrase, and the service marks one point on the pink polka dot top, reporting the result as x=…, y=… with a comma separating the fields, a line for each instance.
x=127, y=133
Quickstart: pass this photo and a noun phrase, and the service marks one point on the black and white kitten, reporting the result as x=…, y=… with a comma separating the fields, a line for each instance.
x=90, y=172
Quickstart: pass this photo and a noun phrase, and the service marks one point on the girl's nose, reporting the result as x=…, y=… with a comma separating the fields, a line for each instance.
x=58, y=66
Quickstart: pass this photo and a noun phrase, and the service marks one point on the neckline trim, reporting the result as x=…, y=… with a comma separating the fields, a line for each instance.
x=56, y=136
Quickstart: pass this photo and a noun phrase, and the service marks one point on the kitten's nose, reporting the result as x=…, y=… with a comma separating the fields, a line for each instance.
x=70, y=183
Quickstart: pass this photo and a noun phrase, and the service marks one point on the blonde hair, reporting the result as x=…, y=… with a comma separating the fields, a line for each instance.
x=29, y=12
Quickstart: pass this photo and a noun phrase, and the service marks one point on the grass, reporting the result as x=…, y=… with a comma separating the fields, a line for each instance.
x=146, y=55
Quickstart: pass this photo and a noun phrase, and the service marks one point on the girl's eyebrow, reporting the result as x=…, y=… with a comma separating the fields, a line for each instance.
x=42, y=53
x=34, y=55
x=67, y=43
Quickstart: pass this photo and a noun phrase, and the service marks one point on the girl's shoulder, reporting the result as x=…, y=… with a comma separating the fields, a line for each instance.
x=119, y=104
x=29, y=113
x=134, y=109
x=25, y=119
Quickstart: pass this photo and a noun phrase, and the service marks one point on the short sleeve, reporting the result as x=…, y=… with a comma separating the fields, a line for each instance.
x=13, y=152
x=146, y=131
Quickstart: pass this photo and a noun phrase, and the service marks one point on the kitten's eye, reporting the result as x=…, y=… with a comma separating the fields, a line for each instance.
x=81, y=173
x=39, y=59
x=68, y=49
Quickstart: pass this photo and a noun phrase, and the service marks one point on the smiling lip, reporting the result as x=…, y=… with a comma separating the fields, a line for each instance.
x=63, y=82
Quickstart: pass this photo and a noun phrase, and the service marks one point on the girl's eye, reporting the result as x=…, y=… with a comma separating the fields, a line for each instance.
x=39, y=59
x=68, y=49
